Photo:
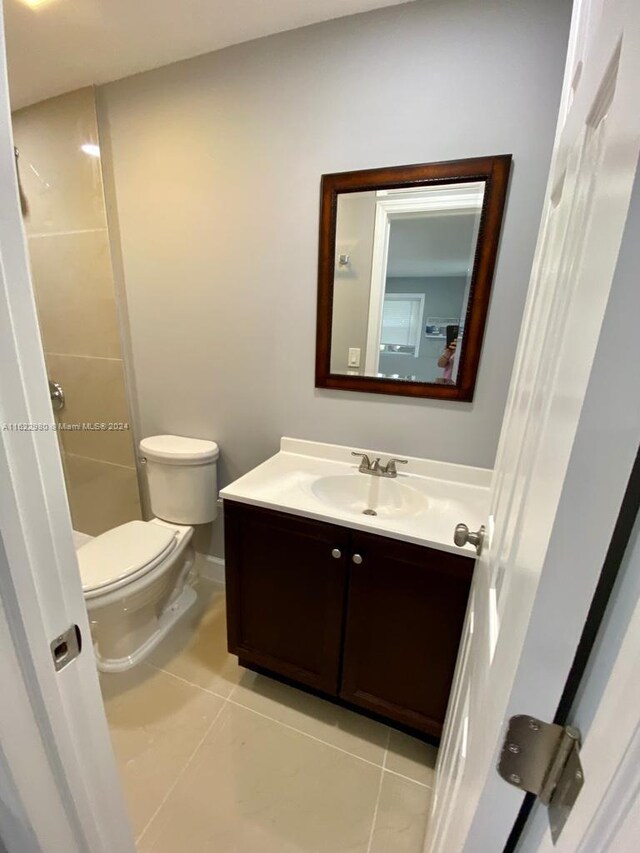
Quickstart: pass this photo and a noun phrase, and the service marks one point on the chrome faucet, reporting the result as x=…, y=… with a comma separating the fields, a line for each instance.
x=373, y=467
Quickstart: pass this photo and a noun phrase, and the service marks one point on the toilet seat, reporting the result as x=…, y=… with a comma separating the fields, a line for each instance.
x=123, y=554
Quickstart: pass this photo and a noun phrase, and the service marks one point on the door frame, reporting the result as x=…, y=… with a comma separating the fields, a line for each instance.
x=40, y=588
x=393, y=205
x=629, y=513
x=606, y=815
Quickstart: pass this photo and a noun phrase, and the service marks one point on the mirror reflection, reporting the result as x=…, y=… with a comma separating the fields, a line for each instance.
x=403, y=268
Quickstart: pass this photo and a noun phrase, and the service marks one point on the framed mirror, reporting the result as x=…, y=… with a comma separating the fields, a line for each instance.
x=407, y=256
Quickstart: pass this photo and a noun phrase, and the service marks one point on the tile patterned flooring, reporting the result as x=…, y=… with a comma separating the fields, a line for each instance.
x=216, y=758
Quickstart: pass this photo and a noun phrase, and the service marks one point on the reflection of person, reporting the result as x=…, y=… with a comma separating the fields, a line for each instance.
x=446, y=361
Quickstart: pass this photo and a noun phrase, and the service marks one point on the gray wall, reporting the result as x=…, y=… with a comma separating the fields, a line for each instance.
x=443, y=298
x=216, y=167
x=352, y=284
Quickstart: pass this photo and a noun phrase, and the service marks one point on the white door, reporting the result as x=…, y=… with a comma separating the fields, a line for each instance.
x=59, y=788
x=606, y=816
x=568, y=440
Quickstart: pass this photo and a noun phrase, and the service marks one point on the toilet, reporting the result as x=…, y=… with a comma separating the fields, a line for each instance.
x=138, y=578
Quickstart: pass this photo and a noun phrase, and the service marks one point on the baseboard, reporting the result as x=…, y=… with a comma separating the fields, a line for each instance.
x=211, y=568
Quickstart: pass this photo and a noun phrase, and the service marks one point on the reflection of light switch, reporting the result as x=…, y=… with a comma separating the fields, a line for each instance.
x=354, y=357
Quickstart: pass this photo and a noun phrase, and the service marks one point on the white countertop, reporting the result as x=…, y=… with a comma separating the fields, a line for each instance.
x=434, y=496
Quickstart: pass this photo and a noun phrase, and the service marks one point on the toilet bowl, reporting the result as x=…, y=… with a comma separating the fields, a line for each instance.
x=138, y=577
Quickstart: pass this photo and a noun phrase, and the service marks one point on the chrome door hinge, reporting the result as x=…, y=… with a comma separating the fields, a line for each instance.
x=544, y=759
x=66, y=647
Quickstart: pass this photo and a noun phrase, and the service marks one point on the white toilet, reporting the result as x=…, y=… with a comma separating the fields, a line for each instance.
x=137, y=577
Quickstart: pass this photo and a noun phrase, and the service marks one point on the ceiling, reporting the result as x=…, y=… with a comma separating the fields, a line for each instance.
x=61, y=45
x=431, y=246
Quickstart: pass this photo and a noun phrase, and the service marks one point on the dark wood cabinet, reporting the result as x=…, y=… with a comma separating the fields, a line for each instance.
x=406, y=606
x=380, y=632
x=286, y=593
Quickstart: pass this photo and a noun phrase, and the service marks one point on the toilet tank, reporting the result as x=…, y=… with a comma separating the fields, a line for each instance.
x=182, y=478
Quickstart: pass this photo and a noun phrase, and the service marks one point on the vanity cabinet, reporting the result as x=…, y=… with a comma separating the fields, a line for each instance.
x=372, y=621
x=406, y=606
x=286, y=593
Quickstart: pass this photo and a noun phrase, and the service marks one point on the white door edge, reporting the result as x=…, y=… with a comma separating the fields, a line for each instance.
x=40, y=585
x=611, y=780
x=568, y=443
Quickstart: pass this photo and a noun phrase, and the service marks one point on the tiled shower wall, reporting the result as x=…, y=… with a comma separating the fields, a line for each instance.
x=68, y=241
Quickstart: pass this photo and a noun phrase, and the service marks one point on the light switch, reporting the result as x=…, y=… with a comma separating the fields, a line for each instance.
x=354, y=357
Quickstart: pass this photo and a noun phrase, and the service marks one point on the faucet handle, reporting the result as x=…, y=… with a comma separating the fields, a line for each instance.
x=365, y=464
x=390, y=468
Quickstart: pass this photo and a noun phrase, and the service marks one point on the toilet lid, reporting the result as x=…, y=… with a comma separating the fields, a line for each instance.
x=130, y=549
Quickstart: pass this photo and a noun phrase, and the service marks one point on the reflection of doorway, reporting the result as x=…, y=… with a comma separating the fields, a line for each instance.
x=420, y=235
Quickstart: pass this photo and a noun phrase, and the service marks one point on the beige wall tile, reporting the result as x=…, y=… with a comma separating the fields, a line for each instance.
x=94, y=393
x=255, y=786
x=401, y=820
x=73, y=285
x=75, y=296
x=156, y=723
x=101, y=495
x=62, y=183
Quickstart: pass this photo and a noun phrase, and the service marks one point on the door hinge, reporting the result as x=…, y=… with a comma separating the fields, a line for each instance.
x=66, y=647
x=544, y=759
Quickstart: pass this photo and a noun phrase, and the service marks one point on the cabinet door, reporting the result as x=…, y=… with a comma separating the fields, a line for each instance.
x=405, y=611
x=286, y=590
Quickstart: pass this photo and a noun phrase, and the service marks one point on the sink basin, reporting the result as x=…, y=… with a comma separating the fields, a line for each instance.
x=363, y=494
x=422, y=504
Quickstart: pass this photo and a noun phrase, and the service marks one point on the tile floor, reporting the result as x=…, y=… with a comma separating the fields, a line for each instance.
x=216, y=758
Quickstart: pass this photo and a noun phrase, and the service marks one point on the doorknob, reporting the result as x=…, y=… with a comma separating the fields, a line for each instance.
x=463, y=536
x=57, y=395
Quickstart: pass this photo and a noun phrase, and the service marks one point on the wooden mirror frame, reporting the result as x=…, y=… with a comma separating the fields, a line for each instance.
x=494, y=171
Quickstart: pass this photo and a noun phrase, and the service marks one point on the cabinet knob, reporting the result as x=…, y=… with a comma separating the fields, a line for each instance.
x=357, y=559
x=336, y=553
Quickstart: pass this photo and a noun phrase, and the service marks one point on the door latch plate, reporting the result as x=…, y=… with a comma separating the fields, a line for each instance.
x=66, y=647
x=543, y=759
